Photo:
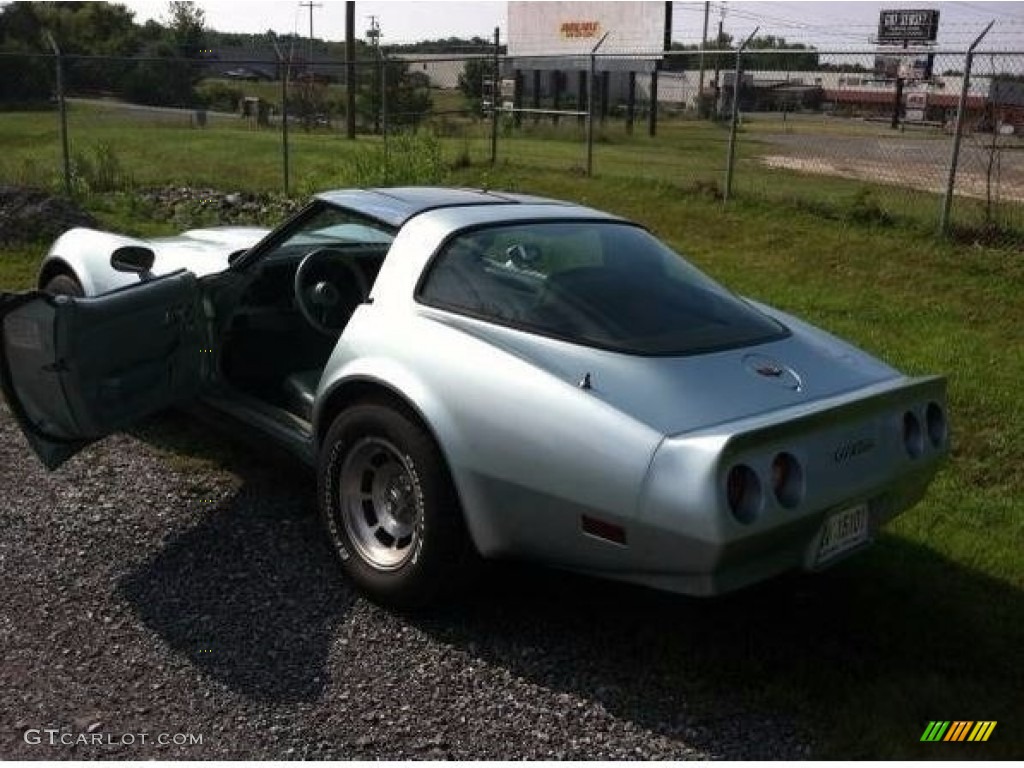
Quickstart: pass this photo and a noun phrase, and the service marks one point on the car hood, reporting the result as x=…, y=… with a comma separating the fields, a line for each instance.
x=203, y=251
x=675, y=395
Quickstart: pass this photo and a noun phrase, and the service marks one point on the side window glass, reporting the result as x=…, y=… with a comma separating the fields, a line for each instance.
x=499, y=273
x=491, y=273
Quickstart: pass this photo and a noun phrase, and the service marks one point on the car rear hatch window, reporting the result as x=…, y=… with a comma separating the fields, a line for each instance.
x=605, y=284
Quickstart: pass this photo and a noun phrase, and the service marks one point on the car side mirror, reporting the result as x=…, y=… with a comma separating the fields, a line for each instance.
x=133, y=258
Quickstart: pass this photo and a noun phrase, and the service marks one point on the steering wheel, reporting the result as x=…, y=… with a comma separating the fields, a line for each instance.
x=329, y=285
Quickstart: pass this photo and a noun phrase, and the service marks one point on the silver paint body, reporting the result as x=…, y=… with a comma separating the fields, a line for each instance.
x=647, y=447
x=86, y=252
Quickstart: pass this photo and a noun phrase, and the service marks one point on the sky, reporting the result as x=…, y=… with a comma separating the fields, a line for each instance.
x=838, y=25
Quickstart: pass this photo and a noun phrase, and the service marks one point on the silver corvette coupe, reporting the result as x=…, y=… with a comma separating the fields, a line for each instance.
x=486, y=374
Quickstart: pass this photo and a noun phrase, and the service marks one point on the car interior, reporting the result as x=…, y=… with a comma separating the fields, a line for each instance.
x=298, y=295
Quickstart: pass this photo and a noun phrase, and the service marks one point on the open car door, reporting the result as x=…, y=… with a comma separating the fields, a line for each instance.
x=74, y=370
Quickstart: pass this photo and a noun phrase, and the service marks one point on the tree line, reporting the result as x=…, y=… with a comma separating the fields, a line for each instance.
x=161, y=62
x=151, y=63
x=767, y=52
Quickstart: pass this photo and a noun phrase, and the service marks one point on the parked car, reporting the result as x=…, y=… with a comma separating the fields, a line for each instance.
x=486, y=374
x=249, y=74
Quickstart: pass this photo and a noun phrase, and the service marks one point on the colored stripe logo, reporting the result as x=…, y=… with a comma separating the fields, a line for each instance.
x=958, y=730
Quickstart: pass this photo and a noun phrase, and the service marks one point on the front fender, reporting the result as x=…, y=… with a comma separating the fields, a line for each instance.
x=86, y=253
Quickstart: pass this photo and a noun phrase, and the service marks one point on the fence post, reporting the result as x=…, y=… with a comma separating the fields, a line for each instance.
x=703, y=45
x=495, y=82
x=590, y=104
x=63, y=115
x=285, y=67
x=350, y=68
x=652, y=114
x=631, y=103
x=954, y=158
x=730, y=160
x=384, y=98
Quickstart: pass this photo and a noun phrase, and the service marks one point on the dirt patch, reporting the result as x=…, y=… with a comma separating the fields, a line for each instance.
x=968, y=183
x=30, y=215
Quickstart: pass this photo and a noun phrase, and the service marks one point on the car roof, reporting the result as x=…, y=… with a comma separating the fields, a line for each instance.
x=396, y=205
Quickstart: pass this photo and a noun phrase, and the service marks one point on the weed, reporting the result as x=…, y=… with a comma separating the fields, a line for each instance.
x=402, y=159
x=99, y=170
x=864, y=208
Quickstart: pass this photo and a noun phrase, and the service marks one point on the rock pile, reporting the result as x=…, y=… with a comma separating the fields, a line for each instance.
x=28, y=214
x=225, y=207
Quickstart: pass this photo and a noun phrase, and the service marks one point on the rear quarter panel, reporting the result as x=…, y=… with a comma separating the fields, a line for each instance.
x=529, y=452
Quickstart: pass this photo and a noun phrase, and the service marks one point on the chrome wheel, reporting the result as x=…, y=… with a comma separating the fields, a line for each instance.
x=381, y=508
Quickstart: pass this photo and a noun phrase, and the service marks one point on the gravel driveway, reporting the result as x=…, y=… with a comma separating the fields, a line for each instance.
x=146, y=598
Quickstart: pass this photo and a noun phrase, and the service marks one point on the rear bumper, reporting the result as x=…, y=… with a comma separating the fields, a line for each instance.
x=686, y=539
x=678, y=563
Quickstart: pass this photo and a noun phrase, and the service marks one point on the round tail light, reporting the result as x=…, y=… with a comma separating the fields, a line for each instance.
x=787, y=480
x=913, y=438
x=743, y=489
x=935, y=421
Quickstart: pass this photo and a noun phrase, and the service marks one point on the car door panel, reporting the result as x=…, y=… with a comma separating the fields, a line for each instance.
x=77, y=369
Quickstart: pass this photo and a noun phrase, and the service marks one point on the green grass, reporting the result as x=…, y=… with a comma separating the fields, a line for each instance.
x=163, y=148
x=929, y=624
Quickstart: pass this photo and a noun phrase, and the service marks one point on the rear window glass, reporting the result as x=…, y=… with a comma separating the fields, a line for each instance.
x=604, y=284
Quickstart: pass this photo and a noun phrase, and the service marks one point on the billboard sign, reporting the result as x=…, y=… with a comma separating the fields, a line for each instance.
x=907, y=25
x=572, y=28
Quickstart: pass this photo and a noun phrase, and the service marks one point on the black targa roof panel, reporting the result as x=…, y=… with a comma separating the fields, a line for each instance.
x=396, y=205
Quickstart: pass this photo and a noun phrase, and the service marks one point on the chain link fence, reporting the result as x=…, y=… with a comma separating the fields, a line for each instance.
x=935, y=138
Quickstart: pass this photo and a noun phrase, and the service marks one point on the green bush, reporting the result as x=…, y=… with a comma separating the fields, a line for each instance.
x=218, y=96
x=402, y=159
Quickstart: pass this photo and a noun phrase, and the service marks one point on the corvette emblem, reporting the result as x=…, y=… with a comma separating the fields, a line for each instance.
x=774, y=371
x=769, y=369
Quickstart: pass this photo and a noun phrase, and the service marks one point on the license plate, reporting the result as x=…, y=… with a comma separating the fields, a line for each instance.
x=843, y=531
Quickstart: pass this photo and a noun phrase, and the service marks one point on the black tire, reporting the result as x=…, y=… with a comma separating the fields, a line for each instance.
x=64, y=285
x=440, y=553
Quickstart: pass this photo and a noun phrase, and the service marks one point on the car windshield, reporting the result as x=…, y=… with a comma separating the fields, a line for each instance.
x=331, y=227
x=605, y=284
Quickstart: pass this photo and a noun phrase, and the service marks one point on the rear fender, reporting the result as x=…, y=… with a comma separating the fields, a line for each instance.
x=406, y=386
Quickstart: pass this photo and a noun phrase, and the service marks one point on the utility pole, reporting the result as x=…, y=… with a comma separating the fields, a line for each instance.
x=374, y=34
x=350, y=68
x=703, y=45
x=718, y=63
x=311, y=5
